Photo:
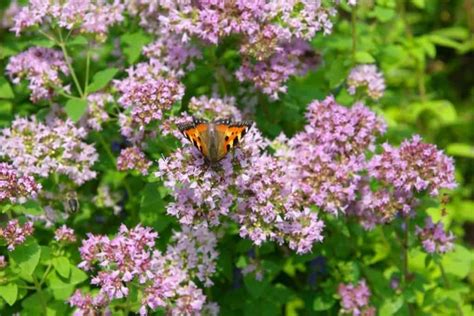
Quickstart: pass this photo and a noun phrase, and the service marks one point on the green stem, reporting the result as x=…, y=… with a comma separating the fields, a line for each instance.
x=62, y=44
x=106, y=148
x=448, y=286
x=354, y=33
x=406, y=273
x=40, y=295
x=45, y=275
x=88, y=61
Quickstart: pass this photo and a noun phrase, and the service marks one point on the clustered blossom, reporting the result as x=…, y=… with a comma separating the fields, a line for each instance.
x=274, y=33
x=131, y=256
x=147, y=95
x=41, y=149
x=433, y=237
x=96, y=114
x=249, y=179
x=65, y=234
x=355, y=299
x=87, y=16
x=86, y=304
x=326, y=159
x=9, y=13
x=42, y=68
x=400, y=173
x=194, y=249
x=15, y=234
x=270, y=75
x=3, y=262
x=132, y=158
x=414, y=167
x=107, y=198
x=16, y=187
x=214, y=108
x=172, y=55
x=368, y=77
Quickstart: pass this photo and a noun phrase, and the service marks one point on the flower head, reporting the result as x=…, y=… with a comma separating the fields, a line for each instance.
x=65, y=234
x=131, y=257
x=355, y=299
x=132, y=158
x=15, y=234
x=42, y=68
x=41, y=149
x=433, y=237
x=86, y=16
x=368, y=77
x=16, y=187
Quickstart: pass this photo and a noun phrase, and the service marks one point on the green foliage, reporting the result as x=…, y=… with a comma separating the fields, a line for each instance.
x=424, y=49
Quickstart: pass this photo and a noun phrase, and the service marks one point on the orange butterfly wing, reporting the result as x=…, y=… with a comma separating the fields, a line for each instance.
x=231, y=134
x=196, y=132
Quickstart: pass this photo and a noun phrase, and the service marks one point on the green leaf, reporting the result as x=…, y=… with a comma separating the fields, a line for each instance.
x=254, y=287
x=458, y=262
x=444, y=110
x=460, y=150
x=134, y=43
x=9, y=292
x=78, y=40
x=101, y=79
x=382, y=14
x=323, y=303
x=77, y=275
x=419, y=3
x=75, y=109
x=6, y=91
x=27, y=256
x=152, y=208
x=364, y=58
x=61, y=288
x=62, y=266
x=445, y=42
x=391, y=306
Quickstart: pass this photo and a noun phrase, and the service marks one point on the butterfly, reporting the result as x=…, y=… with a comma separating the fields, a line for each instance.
x=215, y=139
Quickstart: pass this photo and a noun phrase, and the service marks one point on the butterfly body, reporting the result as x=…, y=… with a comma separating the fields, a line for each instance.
x=215, y=139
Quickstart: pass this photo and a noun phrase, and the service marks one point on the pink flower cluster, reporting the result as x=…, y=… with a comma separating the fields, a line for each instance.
x=65, y=234
x=164, y=279
x=3, y=262
x=355, y=299
x=368, y=77
x=96, y=114
x=15, y=186
x=326, y=159
x=41, y=149
x=15, y=234
x=132, y=158
x=414, y=167
x=400, y=173
x=86, y=16
x=433, y=237
x=269, y=75
x=147, y=95
x=247, y=178
x=42, y=68
x=272, y=32
x=171, y=55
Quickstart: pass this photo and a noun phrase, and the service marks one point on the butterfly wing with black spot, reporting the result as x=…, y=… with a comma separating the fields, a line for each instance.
x=197, y=133
x=230, y=135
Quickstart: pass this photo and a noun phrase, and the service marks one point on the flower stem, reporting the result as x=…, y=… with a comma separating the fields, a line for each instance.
x=39, y=289
x=88, y=62
x=406, y=273
x=62, y=44
x=448, y=286
x=354, y=33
